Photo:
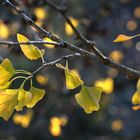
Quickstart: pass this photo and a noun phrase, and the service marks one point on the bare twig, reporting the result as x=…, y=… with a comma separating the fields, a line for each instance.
x=103, y=59
x=55, y=62
x=29, y=42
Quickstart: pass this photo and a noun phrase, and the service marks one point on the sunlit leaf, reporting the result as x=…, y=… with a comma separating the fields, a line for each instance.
x=24, y=97
x=23, y=119
x=37, y=95
x=6, y=71
x=69, y=31
x=30, y=51
x=72, y=77
x=6, y=85
x=8, y=101
x=122, y=38
x=88, y=98
x=136, y=98
x=107, y=85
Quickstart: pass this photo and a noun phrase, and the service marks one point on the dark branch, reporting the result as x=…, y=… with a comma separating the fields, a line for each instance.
x=29, y=42
x=55, y=62
x=103, y=59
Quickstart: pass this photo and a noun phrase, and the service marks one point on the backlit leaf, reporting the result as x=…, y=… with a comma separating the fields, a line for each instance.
x=6, y=71
x=6, y=85
x=122, y=38
x=88, y=98
x=30, y=51
x=37, y=94
x=72, y=77
x=23, y=98
x=136, y=98
x=8, y=101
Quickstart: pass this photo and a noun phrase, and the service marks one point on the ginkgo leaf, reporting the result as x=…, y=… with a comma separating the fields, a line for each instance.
x=122, y=38
x=6, y=85
x=138, y=86
x=72, y=77
x=6, y=71
x=37, y=94
x=8, y=101
x=23, y=98
x=88, y=98
x=136, y=98
x=30, y=51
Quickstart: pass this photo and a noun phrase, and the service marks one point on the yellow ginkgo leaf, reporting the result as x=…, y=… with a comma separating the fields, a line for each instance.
x=30, y=51
x=49, y=45
x=23, y=99
x=136, y=98
x=107, y=85
x=8, y=101
x=88, y=98
x=37, y=94
x=69, y=31
x=138, y=86
x=72, y=77
x=6, y=71
x=122, y=38
x=6, y=85
x=23, y=119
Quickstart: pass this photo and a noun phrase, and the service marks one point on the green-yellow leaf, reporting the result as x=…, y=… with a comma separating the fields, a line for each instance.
x=6, y=85
x=8, y=101
x=122, y=38
x=23, y=98
x=6, y=71
x=72, y=77
x=37, y=94
x=88, y=98
x=136, y=98
x=30, y=51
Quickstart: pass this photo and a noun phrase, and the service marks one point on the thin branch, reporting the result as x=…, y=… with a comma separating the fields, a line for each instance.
x=62, y=11
x=103, y=59
x=29, y=42
x=52, y=63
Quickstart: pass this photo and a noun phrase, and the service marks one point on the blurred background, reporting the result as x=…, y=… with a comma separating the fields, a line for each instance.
x=57, y=115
